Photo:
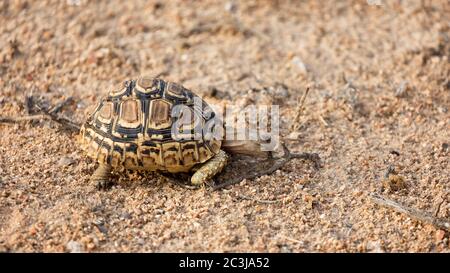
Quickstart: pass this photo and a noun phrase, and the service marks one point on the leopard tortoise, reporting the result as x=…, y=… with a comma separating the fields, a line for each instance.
x=132, y=128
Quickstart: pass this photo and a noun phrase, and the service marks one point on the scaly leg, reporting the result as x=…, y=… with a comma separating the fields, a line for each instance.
x=210, y=168
x=100, y=178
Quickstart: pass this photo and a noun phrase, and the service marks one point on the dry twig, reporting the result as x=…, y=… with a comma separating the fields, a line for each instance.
x=439, y=223
x=262, y=201
x=28, y=104
x=45, y=114
x=291, y=239
x=64, y=121
x=299, y=111
x=23, y=118
x=276, y=165
x=442, y=199
x=55, y=109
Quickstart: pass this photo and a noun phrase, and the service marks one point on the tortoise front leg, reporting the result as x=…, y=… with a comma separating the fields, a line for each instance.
x=100, y=178
x=210, y=168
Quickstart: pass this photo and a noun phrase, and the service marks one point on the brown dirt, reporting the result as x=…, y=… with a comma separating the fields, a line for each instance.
x=379, y=78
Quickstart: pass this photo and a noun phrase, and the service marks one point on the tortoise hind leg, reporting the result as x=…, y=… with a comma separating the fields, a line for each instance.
x=210, y=168
x=100, y=179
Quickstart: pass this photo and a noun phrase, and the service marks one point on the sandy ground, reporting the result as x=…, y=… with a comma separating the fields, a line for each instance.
x=379, y=79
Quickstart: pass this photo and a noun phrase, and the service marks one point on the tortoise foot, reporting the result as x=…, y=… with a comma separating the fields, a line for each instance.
x=100, y=178
x=103, y=185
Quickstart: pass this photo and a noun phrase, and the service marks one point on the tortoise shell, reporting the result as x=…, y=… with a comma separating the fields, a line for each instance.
x=133, y=127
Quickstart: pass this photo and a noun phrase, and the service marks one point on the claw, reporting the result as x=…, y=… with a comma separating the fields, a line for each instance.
x=103, y=185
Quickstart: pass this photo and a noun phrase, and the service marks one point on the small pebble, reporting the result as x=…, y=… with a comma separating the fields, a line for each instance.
x=74, y=247
x=125, y=215
x=297, y=62
x=440, y=235
x=65, y=161
x=401, y=89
